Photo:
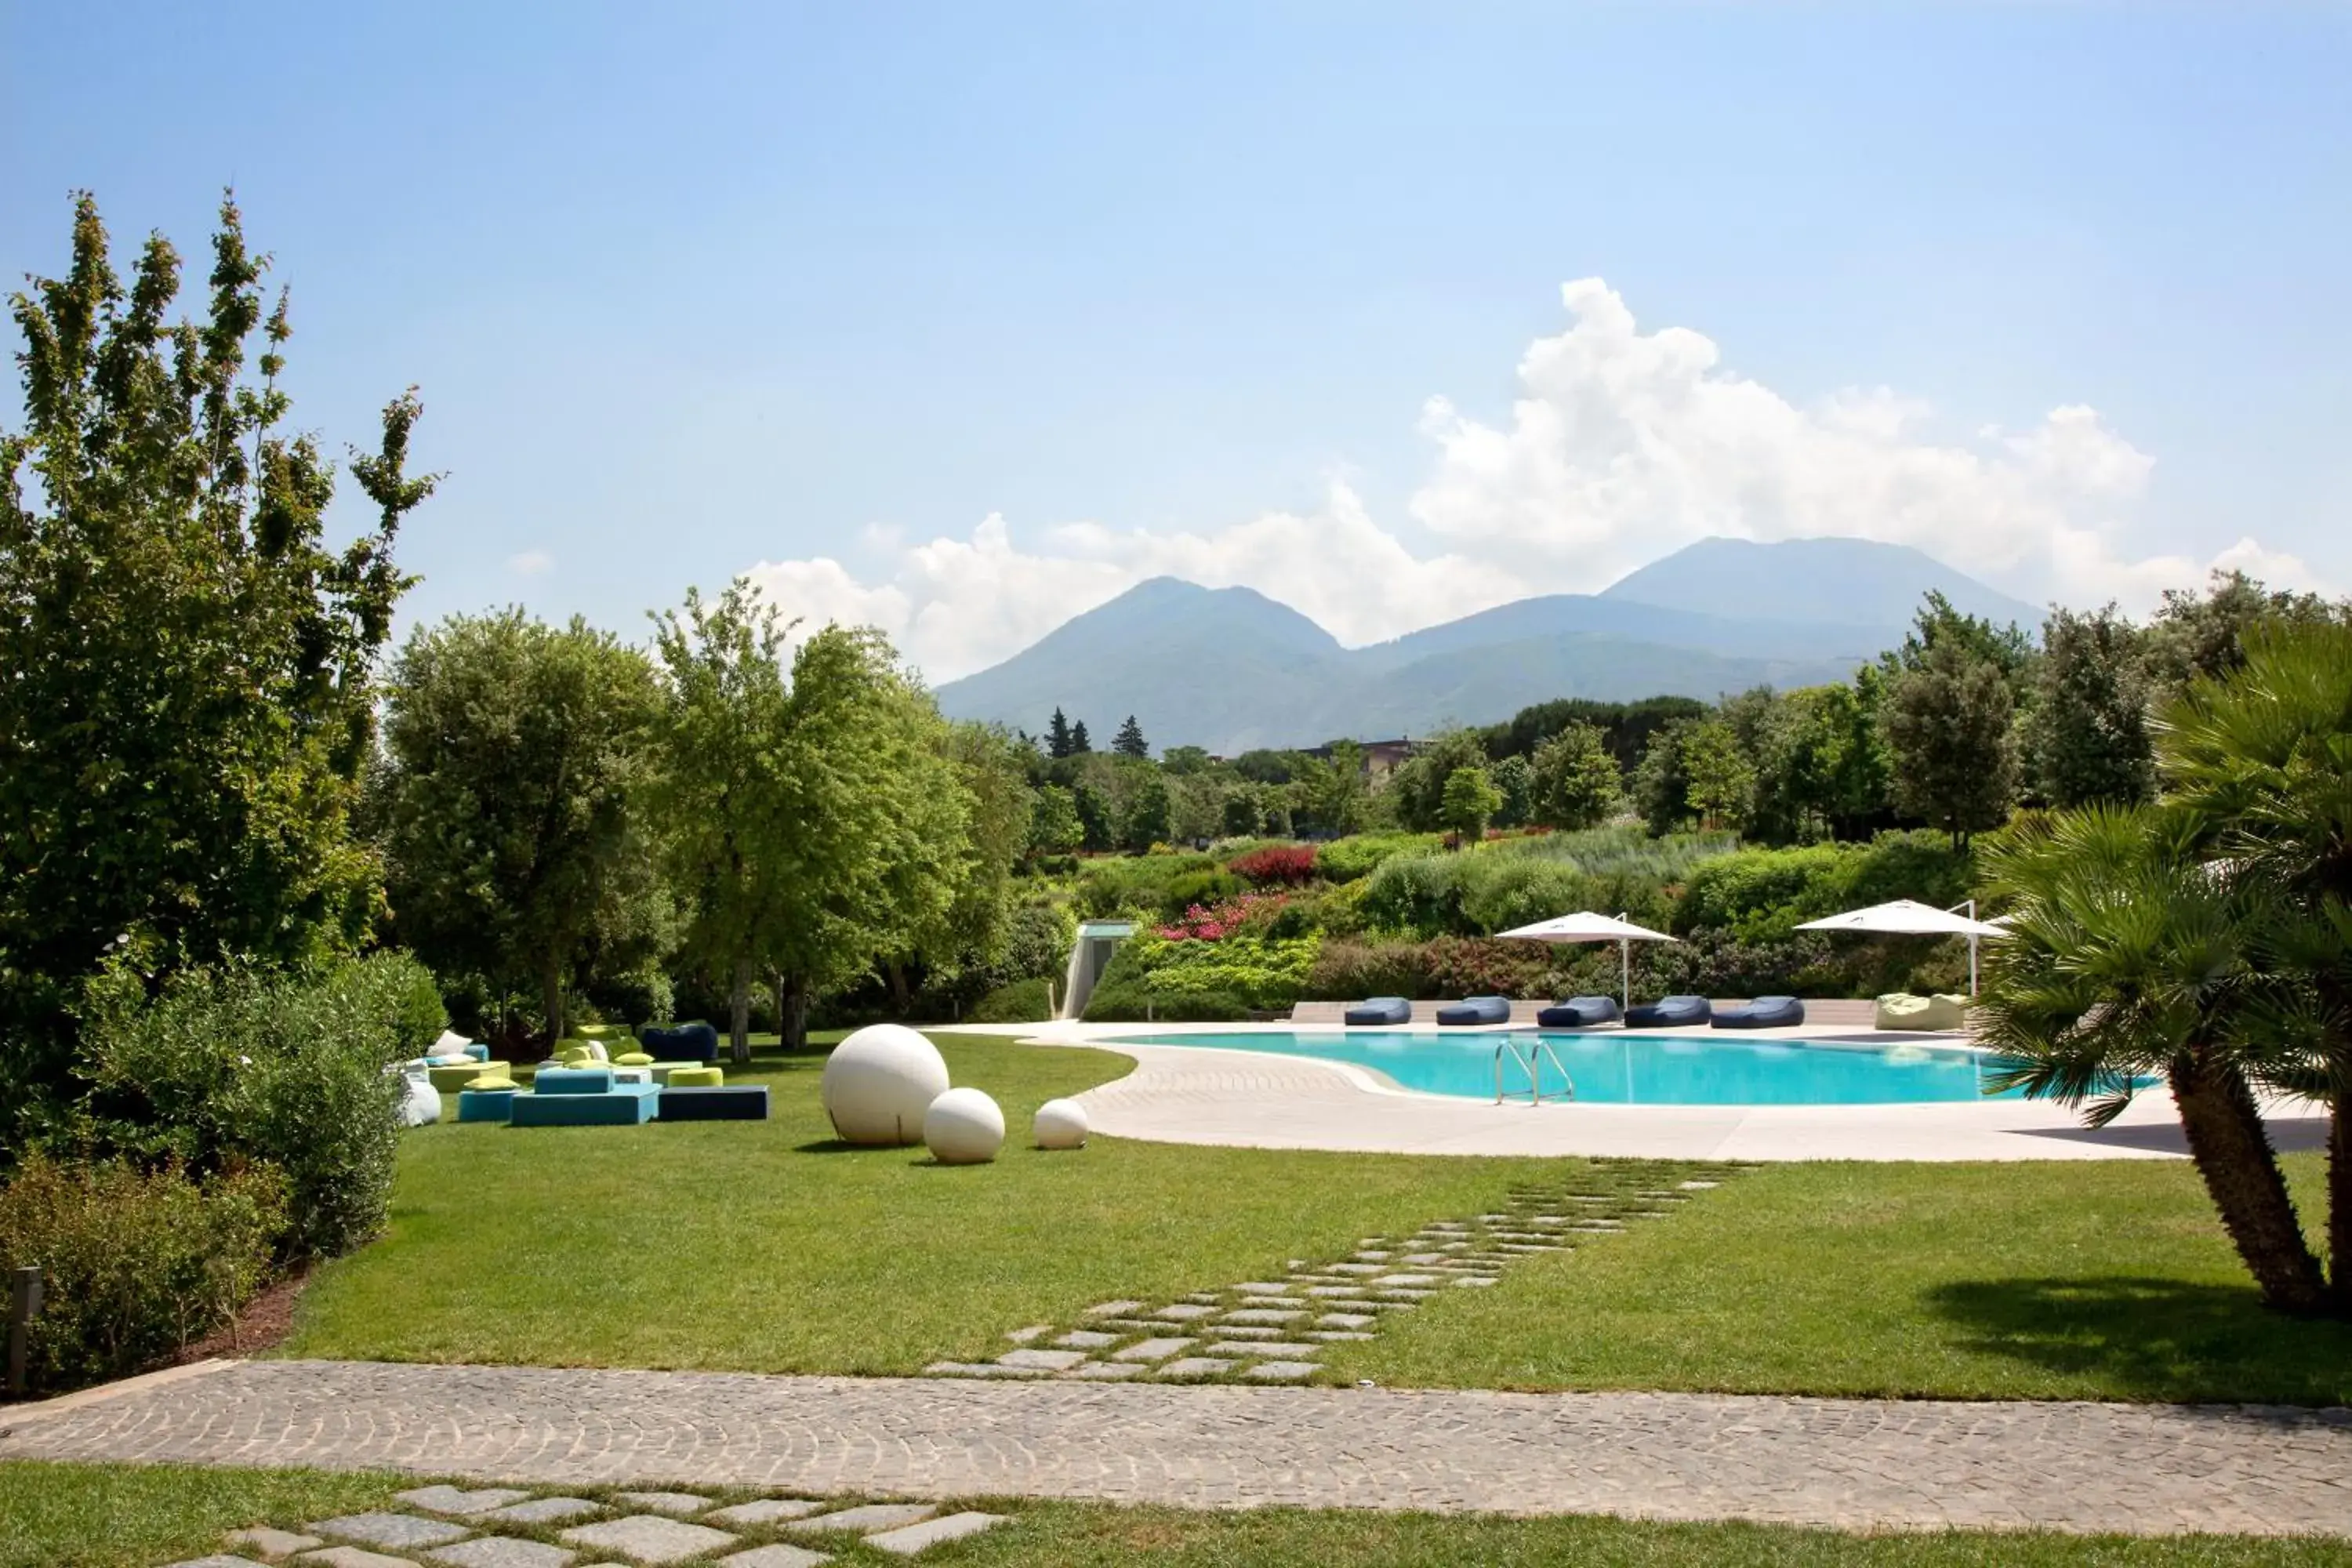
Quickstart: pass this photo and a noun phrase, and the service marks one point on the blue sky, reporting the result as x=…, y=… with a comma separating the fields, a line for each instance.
x=1171, y=288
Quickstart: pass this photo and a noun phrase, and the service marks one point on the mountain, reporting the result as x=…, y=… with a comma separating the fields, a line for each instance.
x=1229, y=669
x=1813, y=581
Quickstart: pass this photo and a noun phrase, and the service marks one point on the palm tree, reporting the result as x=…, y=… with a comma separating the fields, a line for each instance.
x=2261, y=761
x=2131, y=957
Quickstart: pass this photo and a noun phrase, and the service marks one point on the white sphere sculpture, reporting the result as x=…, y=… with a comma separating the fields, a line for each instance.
x=1062, y=1124
x=878, y=1082
x=963, y=1127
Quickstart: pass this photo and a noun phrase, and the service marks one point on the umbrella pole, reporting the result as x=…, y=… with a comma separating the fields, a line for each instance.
x=1972, y=966
x=1624, y=973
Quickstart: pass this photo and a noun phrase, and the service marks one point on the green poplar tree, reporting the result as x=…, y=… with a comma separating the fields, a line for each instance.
x=1573, y=781
x=188, y=704
x=1947, y=730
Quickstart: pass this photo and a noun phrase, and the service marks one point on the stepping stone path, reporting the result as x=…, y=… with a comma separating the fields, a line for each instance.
x=1277, y=1331
x=511, y=1527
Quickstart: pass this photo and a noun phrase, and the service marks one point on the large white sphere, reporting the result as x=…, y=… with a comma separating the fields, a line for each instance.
x=1062, y=1124
x=963, y=1127
x=879, y=1081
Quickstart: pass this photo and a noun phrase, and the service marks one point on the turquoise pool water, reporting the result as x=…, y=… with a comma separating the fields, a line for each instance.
x=1615, y=1069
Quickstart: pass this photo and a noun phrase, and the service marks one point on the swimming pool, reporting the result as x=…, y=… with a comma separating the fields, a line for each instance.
x=1612, y=1068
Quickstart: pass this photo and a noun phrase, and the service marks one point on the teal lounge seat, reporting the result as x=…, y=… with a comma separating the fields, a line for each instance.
x=486, y=1104
x=574, y=1080
x=622, y=1106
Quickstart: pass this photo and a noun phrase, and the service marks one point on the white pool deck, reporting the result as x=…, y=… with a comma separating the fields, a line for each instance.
x=1187, y=1094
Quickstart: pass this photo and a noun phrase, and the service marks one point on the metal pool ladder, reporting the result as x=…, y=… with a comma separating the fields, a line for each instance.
x=1529, y=1059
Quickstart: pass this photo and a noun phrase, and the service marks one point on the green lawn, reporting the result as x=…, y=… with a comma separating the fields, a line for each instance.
x=768, y=1246
x=2102, y=1280
x=91, y=1516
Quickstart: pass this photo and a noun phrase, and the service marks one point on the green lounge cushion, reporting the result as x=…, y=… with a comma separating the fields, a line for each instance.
x=632, y=1059
x=697, y=1078
x=450, y=1079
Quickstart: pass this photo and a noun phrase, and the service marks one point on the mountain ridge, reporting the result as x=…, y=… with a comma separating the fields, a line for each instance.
x=1232, y=669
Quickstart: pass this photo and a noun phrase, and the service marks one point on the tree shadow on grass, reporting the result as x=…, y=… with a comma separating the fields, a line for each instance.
x=2155, y=1339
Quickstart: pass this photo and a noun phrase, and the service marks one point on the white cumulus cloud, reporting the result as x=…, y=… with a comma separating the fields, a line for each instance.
x=1620, y=447
x=531, y=564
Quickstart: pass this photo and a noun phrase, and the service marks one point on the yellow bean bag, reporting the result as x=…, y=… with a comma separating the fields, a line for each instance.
x=697, y=1078
x=1901, y=1010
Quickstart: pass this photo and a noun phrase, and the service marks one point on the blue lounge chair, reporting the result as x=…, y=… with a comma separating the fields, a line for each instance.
x=1764, y=1013
x=1673, y=1012
x=1380, y=1010
x=684, y=1043
x=1579, y=1013
x=1477, y=1010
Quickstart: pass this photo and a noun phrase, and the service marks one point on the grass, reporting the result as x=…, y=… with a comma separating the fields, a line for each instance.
x=768, y=1247
x=94, y=1516
x=2100, y=1279
x=771, y=1247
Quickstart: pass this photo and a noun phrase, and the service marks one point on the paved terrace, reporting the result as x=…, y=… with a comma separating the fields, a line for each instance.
x=1185, y=1094
x=2083, y=1467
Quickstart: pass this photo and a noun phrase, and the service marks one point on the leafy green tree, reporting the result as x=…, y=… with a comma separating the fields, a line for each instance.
x=514, y=753
x=1242, y=814
x=2130, y=954
x=1332, y=797
x=1469, y=800
x=2088, y=738
x=1858, y=780
x=188, y=704
x=1145, y=819
x=1721, y=779
x=2198, y=634
x=1129, y=742
x=1662, y=782
x=2260, y=761
x=1098, y=817
x=1574, y=782
x=1418, y=786
x=1055, y=826
x=1948, y=732
x=876, y=842
x=968, y=935
x=1268, y=767
x=1937, y=625
x=1515, y=778
x=1178, y=762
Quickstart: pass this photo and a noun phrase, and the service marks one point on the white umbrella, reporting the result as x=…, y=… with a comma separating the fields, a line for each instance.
x=1905, y=917
x=1586, y=926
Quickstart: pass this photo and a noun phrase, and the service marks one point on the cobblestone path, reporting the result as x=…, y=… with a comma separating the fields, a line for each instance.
x=1844, y=1462
x=1276, y=1331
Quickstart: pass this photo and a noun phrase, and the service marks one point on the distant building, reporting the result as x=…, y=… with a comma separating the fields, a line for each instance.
x=1381, y=758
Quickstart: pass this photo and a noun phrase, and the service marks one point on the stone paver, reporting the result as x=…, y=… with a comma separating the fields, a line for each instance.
x=780, y=1556
x=1282, y=1370
x=390, y=1530
x=1850, y=1462
x=678, y=1503
x=545, y=1510
x=501, y=1552
x=217, y=1560
x=1042, y=1360
x=866, y=1517
x=915, y=1538
x=1195, y=1366
x=459, y=1501
x=1106, y=1371
x=765, y=1511
x=354, y=1557
x=273, y=1543
x=650, y=1537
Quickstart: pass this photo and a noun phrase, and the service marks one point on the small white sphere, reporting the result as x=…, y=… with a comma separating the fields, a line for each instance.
x=1062, y=1124
x=878, y=1082
x=963, y=1127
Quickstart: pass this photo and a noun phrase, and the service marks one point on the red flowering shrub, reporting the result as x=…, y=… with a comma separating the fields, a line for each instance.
x=1276, y=865
x=1203, y=923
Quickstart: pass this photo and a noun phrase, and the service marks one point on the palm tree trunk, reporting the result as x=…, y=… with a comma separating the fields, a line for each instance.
x=2339, y=1203
x=2231, y=1150
x=739, y=1014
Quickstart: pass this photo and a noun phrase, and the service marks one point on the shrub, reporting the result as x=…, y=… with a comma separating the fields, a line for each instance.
x=1416, y=894
x=1117, y=884
x=1198, y=888
x=1714, y=964
x=1345, y=971
x=1261, y=972
x=1761, y=894
x=1344, y=859
x=1127, y=1004
x=1502, y=892
x=222, y=1069
x=1022, y=1002
x=1277, y=866
x=136, y=1265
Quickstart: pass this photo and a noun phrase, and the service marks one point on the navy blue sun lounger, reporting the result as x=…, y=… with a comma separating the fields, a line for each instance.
x=1578, y=1013
x=1671, y=1013
x=1380, y=1010
x=1477, y=1010
x=1764, y=1013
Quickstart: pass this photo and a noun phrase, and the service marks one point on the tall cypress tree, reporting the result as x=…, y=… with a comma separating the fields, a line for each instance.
x=1129, y=742
x=1080, y=744
x=1058, y=735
